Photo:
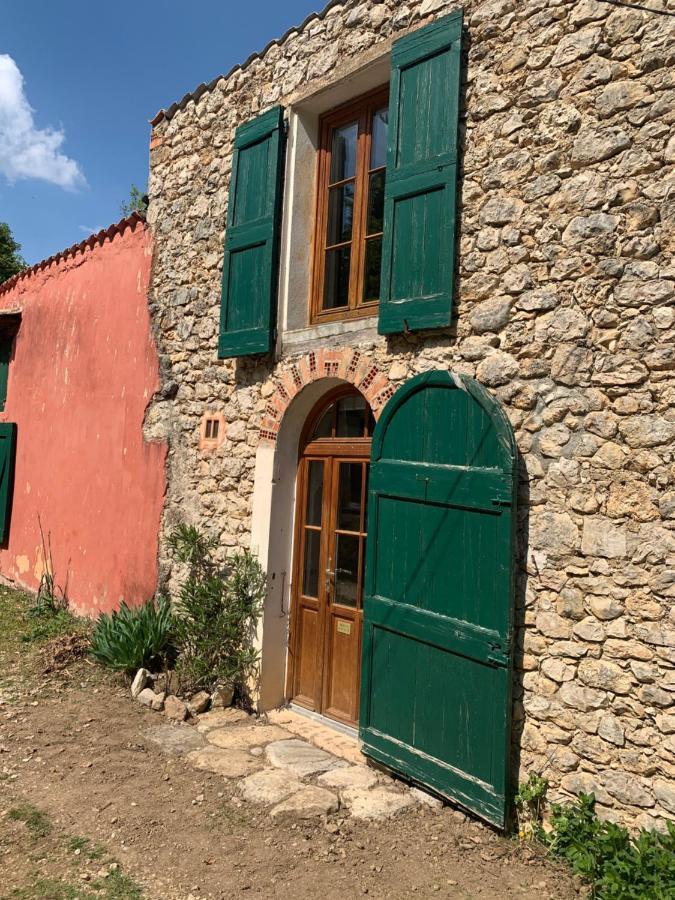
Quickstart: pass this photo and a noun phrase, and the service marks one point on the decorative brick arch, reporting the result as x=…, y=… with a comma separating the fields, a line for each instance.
x=348, y=364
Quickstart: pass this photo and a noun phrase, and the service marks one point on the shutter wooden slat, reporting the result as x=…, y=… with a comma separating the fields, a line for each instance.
x=249, y=301
x=418, y=257
x=7, y=452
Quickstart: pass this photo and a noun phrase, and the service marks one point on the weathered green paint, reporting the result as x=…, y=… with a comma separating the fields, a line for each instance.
x=7, y=452
x=249, y=302
x=418, y=256
x=438, y=608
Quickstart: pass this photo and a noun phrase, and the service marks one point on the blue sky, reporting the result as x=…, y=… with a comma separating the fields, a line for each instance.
x=78, y=84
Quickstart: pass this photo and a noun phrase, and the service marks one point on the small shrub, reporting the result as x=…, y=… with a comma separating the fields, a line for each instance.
x=216, y=614
x=133, y=637
x=617, y=866
x=530, y=801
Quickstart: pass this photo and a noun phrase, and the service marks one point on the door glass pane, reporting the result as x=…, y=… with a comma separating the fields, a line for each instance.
x=378, y=145
x=351, y=417
x=372, y=269
x=340, y=214
x=376, y=203
x=336, y=280
x=346, y=569
x=343, y=152
x=310, y=577
x=314, y=492
x=324, y=427
x=349, y=496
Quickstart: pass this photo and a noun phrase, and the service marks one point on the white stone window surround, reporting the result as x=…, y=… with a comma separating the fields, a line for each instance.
x=299, y=211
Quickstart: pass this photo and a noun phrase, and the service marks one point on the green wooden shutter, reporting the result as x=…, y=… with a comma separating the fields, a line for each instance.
x=248, y=305
x=5, y=354
x=418, y=254
x=7, y=451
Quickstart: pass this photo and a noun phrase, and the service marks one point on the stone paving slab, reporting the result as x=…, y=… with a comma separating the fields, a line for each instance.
x=343, y=745
x=269, y=786
x=228, y=763
x=177, y=739
x=307, y=804
x=349, y=777
x=246, y=736
x=219, y=718
x=376, y=803
x=301, y=758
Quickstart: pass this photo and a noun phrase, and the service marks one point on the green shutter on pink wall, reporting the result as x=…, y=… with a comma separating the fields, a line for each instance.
x=7, y=452
x=418, y=253
x=249, y=287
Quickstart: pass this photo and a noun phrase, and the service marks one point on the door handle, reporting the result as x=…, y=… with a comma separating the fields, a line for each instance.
x=330, y=574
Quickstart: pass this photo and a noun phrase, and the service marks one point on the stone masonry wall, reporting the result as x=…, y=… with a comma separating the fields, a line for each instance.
x=565, y=310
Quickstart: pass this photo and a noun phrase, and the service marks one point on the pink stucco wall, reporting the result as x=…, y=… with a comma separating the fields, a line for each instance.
x=83, y=368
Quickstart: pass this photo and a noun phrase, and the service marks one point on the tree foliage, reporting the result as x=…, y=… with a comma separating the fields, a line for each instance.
x=137, y=202
x=11, y=261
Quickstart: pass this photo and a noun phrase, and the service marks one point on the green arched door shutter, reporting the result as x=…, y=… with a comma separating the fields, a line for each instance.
x=418, y=251
x=249, y=289
x=438, y=608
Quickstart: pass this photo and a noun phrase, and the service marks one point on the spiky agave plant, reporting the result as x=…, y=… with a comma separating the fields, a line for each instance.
x=134, y=637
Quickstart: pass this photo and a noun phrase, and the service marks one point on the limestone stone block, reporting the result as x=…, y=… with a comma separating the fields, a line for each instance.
x=602, y=538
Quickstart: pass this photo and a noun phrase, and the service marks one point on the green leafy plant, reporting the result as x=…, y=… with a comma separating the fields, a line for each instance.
x=530, y=801
x=216, y=614
x=134, y=637
x=618, y=866
x=11, y=261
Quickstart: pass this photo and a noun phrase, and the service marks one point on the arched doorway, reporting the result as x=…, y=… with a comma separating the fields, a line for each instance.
x=329, y=556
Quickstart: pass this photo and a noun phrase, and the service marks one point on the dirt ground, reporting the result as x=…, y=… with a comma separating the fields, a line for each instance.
x=89, y=807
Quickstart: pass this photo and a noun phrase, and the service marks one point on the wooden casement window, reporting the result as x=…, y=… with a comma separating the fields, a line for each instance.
x=350, y=209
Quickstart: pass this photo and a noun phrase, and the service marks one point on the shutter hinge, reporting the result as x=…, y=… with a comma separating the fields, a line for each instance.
x=497, y=501
x=498, y=655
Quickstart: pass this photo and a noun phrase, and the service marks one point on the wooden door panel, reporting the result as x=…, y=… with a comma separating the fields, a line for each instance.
x=328, y=568
x=307, y=667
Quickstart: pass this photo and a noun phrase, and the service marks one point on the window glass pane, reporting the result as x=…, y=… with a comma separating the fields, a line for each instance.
x=346, y=569
x=310, y=578
x=373, y=264
x=378, y=144
x=349, y=496
x=314, y=492
x=336, y=278
x=324, y=427
x=343, y=152
x=370, y=427
x=340, y=214
x=351, y=417
x=375, y=203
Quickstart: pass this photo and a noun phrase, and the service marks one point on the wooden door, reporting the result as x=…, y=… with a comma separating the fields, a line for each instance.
x=330, y=538
x=437, y=640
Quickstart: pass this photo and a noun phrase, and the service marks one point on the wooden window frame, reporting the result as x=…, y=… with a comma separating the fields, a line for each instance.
x=362, y=110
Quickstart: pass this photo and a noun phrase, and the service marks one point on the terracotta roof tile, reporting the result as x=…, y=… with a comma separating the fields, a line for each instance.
x=119, y=228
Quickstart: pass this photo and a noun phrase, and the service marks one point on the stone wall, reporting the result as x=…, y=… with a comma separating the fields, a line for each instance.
x=564, y=311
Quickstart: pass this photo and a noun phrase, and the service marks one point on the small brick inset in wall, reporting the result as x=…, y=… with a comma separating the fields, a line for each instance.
x=348, y=364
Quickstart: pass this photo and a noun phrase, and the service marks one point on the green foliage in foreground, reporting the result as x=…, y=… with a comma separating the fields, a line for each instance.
x=617, y=866
x=134, y=637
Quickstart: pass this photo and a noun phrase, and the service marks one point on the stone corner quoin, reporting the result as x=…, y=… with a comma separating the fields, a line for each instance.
x=564, y=310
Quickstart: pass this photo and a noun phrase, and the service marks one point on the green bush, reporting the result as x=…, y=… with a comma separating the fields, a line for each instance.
x=617, y=866
x=134, y=637
x=216, y=614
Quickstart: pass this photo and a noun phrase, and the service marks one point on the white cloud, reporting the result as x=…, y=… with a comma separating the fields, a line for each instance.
x=27, y=151
x=87, y=230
